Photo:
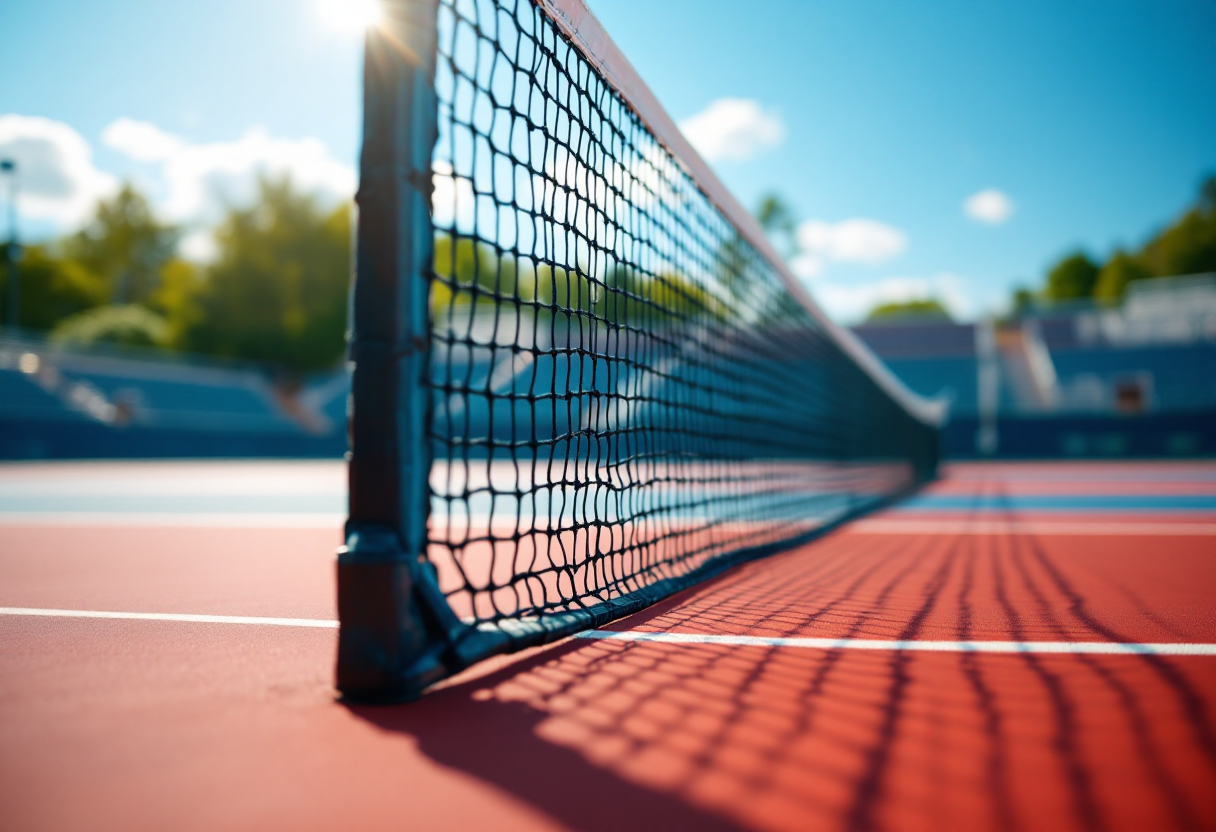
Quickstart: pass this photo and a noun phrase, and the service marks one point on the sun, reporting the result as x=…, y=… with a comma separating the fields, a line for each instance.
x=351, y=16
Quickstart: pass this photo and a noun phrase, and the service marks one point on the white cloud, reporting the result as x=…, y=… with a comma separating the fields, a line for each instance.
x=989, y=206
x=203, y=179
x=850, y=303
x=733, y=129
x=852, y=241
x=141, y=141
x=55, y=174
x=198, y=181
x=806, y=266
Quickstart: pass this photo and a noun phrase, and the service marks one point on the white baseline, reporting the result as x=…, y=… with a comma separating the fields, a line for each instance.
x=1065, y=647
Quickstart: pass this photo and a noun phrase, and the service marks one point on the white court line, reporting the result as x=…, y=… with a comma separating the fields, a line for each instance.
x=1069, y=647
x=1072, y=647
x=173, y=616
x=896, y=526
x=182, y=519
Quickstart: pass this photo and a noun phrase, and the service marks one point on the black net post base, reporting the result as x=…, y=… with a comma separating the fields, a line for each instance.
x=389, y=647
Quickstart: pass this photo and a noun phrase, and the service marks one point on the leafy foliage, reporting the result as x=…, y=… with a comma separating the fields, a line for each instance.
x=1188, y=246
x=469, y=272
x=1121, y=269
x=1023, y=300
x=277, y=292
x=929, y=308
x=124, y=245
x=51, y=288
x=130, y=325
x=472, y=272
x=1073, y=278
x=776, y=217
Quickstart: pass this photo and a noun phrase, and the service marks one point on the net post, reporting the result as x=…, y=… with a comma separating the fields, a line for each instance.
x=394, y=624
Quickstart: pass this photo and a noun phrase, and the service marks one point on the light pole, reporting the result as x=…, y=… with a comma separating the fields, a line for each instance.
x=9, y=167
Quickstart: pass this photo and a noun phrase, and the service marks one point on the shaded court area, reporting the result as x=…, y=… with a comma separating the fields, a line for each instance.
x=1016, y=647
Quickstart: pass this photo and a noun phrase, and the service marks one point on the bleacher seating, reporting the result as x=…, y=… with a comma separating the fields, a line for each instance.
x=57, y=403
x=1182, y=377
x=173, y=395
x=22, y=396
x=1075, y=379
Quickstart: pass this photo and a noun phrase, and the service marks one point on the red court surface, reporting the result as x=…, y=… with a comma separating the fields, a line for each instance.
x=734, y=718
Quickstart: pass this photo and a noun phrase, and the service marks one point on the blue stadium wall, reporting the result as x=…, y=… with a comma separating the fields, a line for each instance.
x=1157, y=435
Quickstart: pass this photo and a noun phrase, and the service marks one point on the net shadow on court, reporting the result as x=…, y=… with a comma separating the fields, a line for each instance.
x=702, y=736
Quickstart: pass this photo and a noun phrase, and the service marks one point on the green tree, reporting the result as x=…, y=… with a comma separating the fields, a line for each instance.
x=565, y=289
x=51, y=288
x=468, y=270
x=1207, y=194
x=776, y=217
x=1189, y=245
x=1073, y=278
x=632, y=297
x=178, y=300
x=1121, y=269
x=925, y=309
x=125, y=245
x=277, y=291
x=1023, y=301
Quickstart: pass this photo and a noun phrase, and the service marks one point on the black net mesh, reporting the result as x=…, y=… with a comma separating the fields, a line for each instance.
x=623, y=388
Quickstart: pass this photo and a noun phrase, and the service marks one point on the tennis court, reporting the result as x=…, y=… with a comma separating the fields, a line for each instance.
x=632, y=534
x=1017, y=647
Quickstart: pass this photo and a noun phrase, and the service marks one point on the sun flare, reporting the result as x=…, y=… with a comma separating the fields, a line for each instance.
x=349, y=15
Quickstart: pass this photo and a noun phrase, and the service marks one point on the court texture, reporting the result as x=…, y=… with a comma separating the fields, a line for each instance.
x=1017, y=646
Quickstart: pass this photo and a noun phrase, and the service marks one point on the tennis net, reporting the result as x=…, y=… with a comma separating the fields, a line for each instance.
x=582, y=377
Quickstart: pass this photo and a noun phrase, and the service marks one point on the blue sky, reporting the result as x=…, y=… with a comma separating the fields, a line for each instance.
x=876, y=119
